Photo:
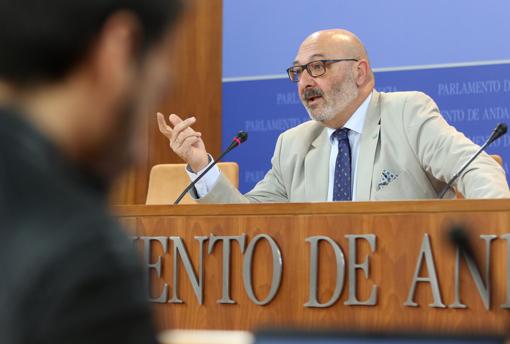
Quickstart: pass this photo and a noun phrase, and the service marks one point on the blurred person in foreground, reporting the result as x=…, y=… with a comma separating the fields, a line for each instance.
x=73, y=74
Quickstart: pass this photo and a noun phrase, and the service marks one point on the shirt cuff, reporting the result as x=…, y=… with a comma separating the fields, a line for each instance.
x=207, y=182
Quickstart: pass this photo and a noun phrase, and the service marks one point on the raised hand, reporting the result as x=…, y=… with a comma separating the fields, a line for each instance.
x=184, y=141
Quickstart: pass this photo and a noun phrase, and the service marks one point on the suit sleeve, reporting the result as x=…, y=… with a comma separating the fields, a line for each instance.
x=270, y=189
x=442, y=150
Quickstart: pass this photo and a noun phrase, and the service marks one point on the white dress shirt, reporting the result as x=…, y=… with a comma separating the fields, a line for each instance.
x=355, y=124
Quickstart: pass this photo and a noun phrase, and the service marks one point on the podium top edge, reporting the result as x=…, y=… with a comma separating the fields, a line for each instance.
x=325, y=208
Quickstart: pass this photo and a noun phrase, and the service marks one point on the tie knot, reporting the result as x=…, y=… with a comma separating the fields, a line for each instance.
x=341, y=134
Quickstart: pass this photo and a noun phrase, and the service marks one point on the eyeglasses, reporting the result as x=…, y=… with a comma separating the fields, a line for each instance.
x=314, y=68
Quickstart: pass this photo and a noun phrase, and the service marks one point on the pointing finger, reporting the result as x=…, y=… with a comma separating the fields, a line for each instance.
x=174, y=119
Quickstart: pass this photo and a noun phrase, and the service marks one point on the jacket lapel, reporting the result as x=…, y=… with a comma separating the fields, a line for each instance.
x=317, y=167
x=368, y=146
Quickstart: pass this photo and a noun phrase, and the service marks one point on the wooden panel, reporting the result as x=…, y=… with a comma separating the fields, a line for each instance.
x=196, y=91
x=399, y=228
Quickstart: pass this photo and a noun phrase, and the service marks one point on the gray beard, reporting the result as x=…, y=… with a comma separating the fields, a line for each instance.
x=341, y=96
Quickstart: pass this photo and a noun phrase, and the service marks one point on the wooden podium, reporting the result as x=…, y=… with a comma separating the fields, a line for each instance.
x=369, y=265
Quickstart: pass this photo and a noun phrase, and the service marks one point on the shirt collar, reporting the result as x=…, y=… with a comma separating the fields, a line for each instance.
x=357, y=120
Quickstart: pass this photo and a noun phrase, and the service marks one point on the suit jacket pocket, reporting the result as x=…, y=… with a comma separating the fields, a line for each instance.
x=404, y=186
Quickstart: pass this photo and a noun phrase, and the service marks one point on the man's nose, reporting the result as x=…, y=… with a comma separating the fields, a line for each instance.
x=306, y=80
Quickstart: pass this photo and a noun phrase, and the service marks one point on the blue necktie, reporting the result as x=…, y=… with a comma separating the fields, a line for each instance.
x=342, y=183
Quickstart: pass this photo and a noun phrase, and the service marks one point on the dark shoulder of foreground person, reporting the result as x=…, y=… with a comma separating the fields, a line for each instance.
x=71, y=273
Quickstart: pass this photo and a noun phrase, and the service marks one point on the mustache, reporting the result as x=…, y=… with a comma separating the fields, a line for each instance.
x=312, y=92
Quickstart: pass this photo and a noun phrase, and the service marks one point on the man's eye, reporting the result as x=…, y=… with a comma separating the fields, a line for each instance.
x=316, y=66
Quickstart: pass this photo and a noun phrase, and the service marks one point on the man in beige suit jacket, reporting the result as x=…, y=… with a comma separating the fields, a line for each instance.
x=402, y=148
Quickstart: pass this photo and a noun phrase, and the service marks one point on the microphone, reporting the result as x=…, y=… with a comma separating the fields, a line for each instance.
x=241, y=137
x=499, y=131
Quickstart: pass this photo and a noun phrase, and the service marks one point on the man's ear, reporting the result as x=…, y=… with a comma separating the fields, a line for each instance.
x=114, y=52
x=362, y=71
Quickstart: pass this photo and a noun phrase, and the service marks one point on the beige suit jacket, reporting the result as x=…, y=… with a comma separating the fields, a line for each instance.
x=407, y=151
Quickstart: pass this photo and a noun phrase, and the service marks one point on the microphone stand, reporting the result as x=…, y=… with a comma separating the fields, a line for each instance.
x=497, y=133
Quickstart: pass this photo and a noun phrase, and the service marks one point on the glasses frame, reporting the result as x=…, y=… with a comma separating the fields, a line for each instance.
x=306, y=66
